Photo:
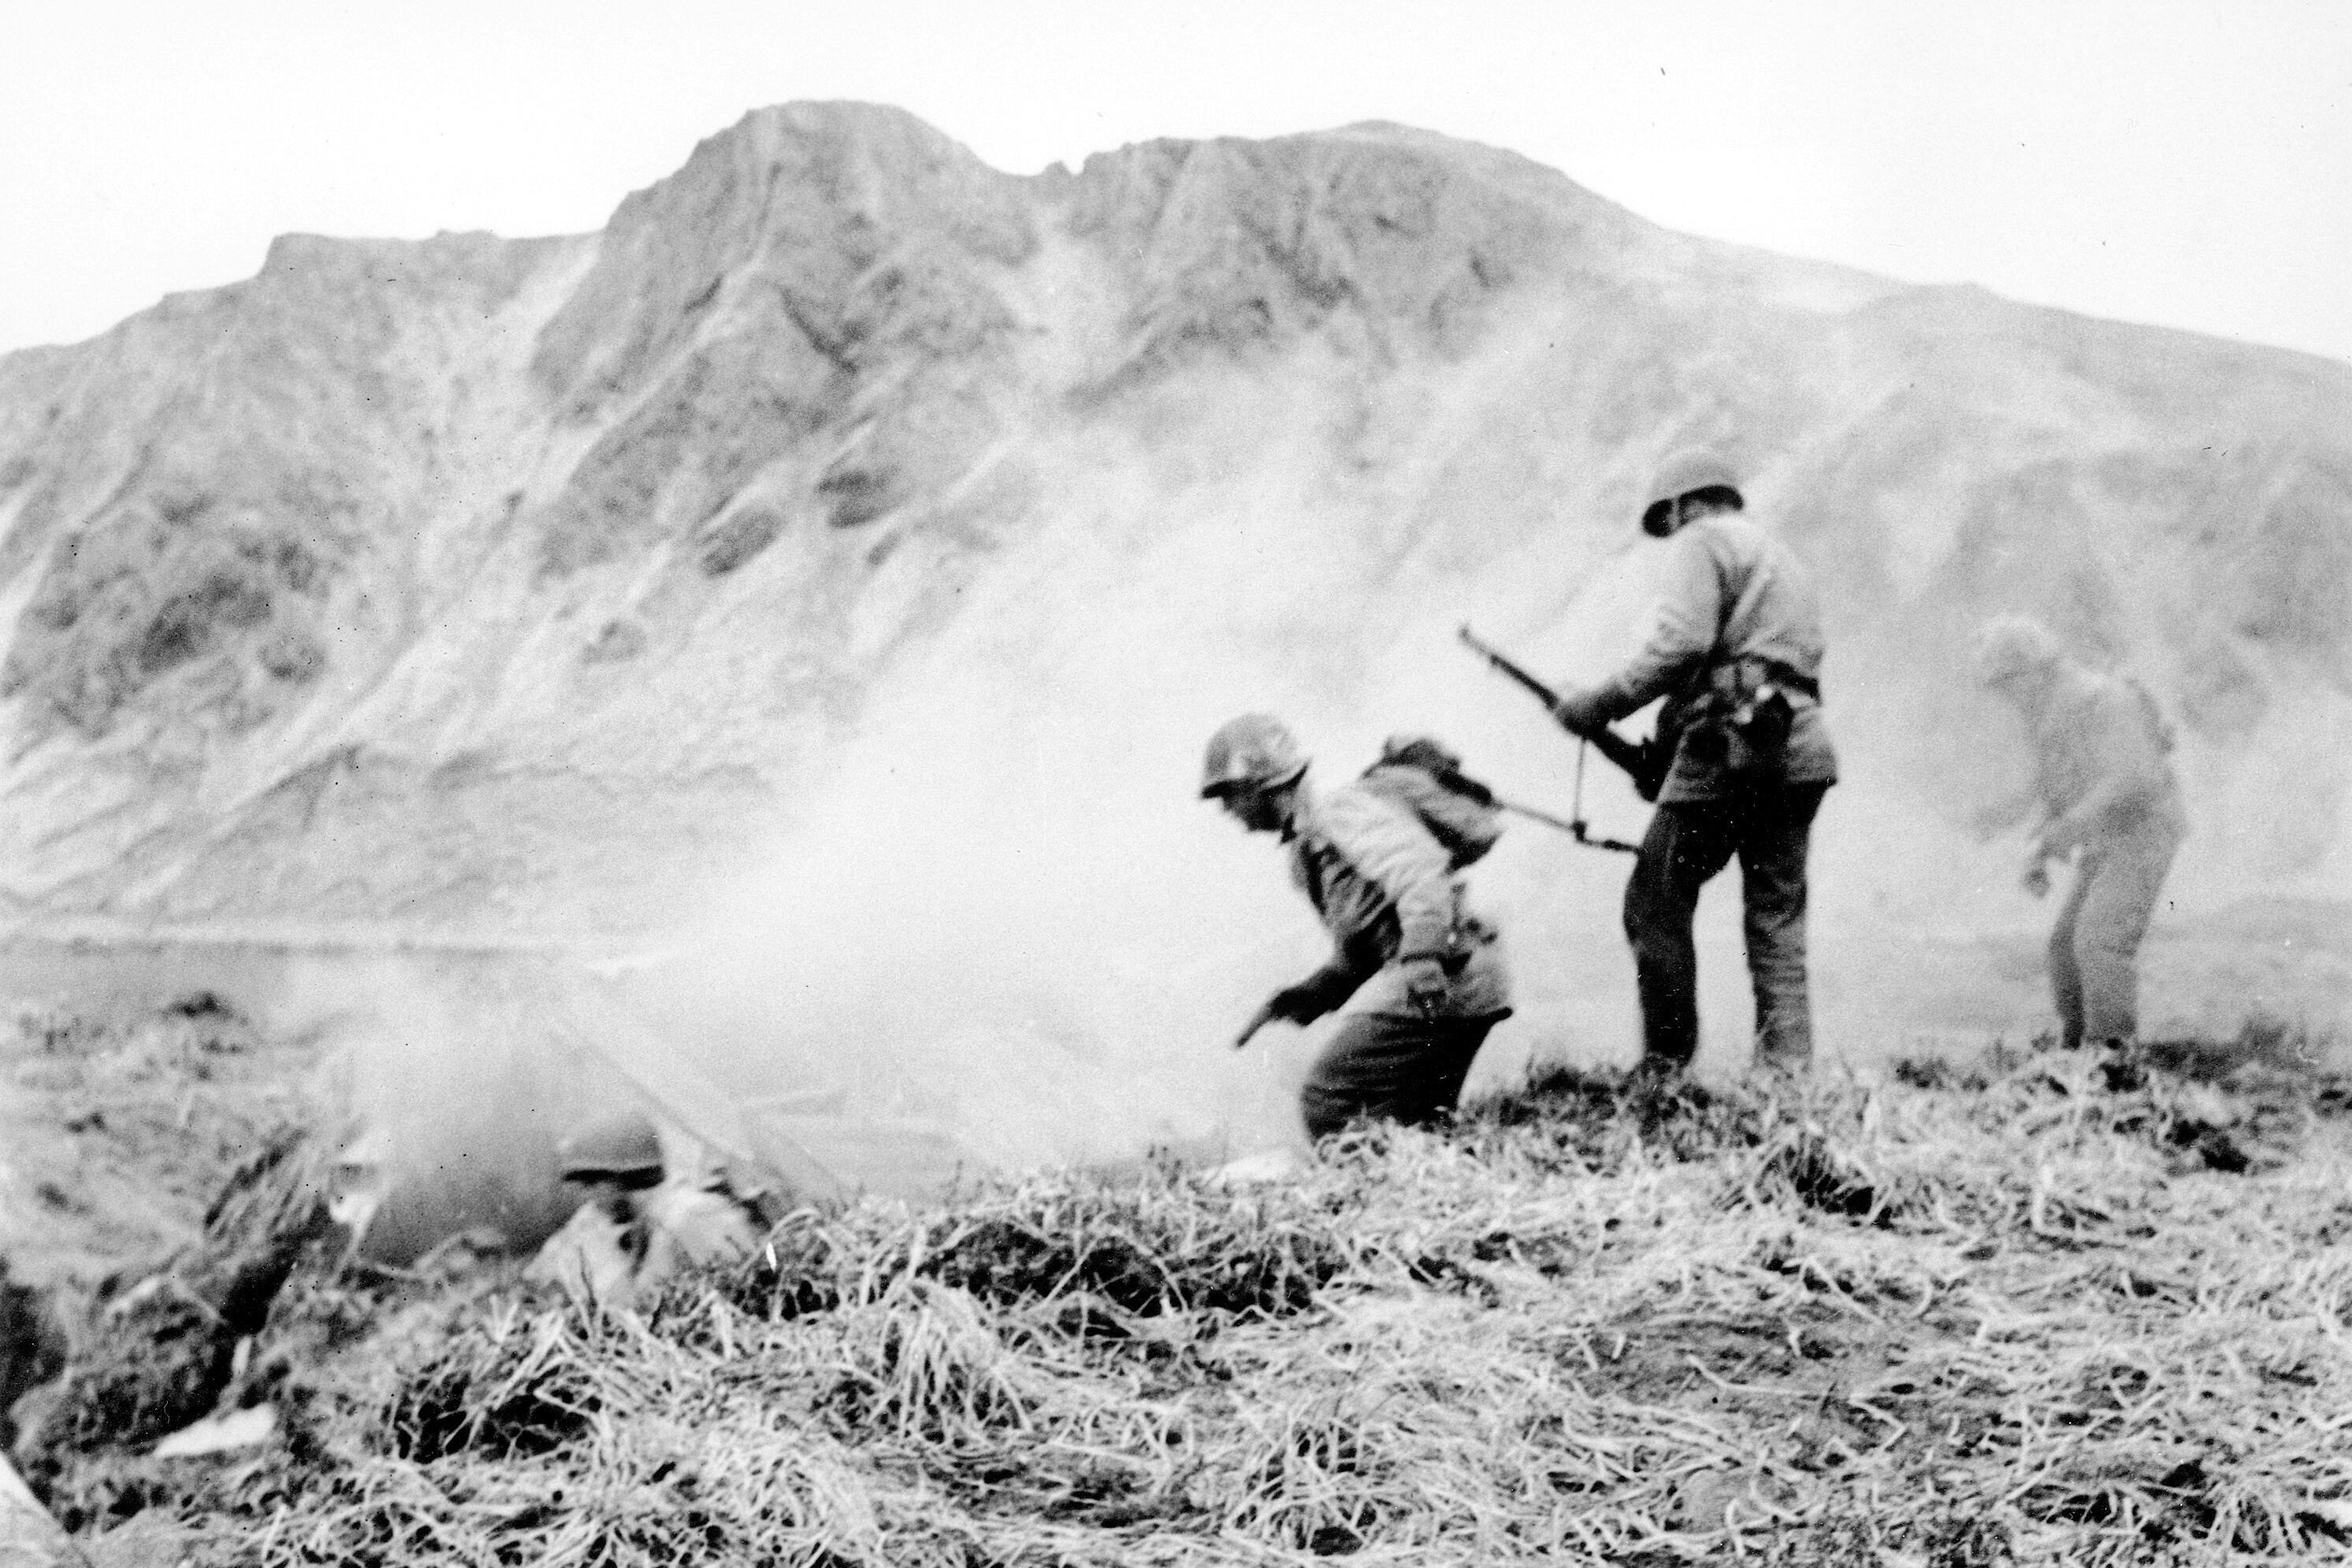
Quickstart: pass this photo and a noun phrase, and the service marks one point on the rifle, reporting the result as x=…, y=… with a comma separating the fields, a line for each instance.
x=1575, y=827
x=1644, y=762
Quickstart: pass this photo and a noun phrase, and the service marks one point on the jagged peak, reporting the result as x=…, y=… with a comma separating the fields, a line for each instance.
x=833, y=139
x=850, y=120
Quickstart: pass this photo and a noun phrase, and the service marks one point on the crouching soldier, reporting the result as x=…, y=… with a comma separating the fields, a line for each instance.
x=637, y=1228
x=2103, y=794
x=1426, y=976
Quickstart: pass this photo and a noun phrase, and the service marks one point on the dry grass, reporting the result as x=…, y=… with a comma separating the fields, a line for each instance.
x=2031, y=1315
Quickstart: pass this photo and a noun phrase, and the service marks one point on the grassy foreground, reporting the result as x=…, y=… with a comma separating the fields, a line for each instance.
x=2036, y=1314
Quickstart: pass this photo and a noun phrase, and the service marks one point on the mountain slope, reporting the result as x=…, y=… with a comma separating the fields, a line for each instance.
x=524, y=590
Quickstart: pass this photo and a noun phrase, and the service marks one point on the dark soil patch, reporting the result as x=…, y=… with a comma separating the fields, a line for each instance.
x=494, y=1390
x=1594, y=1119
x=158, y=1353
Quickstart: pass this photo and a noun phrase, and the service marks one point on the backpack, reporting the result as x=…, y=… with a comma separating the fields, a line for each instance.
x=1420, y=775
x=2159, y=728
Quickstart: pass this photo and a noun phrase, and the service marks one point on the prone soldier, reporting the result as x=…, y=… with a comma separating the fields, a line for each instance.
x=639, y=1226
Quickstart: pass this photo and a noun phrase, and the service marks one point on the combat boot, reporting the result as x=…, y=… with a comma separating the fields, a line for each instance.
x=2120, y=1066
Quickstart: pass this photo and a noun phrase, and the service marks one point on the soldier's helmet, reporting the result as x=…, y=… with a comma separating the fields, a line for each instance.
x=624, y=1146
x=2007, y=647
x=1686, y=472
x=1253, y=751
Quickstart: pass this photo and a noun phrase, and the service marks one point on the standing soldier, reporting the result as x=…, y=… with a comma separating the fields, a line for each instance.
x=1736, y=650
x=2103, y=786
x=1428, y=975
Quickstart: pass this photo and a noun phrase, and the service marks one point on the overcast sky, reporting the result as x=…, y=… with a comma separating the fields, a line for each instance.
x=2164, y=161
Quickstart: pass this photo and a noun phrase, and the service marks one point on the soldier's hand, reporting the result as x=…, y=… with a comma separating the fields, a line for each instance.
x=1424, y=983
x=1574, y=711
x=1296, y=1004
x=2036, y=879
x=2059, y=838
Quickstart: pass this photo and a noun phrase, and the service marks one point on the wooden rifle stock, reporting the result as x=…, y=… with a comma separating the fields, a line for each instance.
x=1640, y=760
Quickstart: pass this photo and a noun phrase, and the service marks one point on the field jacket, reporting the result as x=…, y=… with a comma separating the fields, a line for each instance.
x=1734, y=595
x=1387, y=892
x=2095, y=736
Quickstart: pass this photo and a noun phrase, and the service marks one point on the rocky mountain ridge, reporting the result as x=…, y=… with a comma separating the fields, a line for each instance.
x=513, y=587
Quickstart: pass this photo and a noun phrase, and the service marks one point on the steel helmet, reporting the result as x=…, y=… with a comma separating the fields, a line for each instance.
x=1689, y=469
x=1253, y=750
x=2010, y=646
x=620, y=1145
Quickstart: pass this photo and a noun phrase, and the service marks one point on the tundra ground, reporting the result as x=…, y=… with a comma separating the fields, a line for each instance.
x=2040, y=1308
x=2035, y=1310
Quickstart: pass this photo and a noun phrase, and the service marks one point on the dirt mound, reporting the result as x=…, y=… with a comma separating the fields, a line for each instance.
x=160, y=1352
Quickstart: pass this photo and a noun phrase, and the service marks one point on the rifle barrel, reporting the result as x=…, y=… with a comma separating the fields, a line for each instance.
x=1495, y=657
x=1645, y=770
x=1575, y=828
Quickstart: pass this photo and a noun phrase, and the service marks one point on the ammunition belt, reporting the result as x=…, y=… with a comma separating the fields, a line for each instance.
x=1773, y=672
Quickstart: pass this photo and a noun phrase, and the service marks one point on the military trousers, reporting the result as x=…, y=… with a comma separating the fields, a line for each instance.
x=1768, y=829
x=1393, y=1067
x=2095, y=947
